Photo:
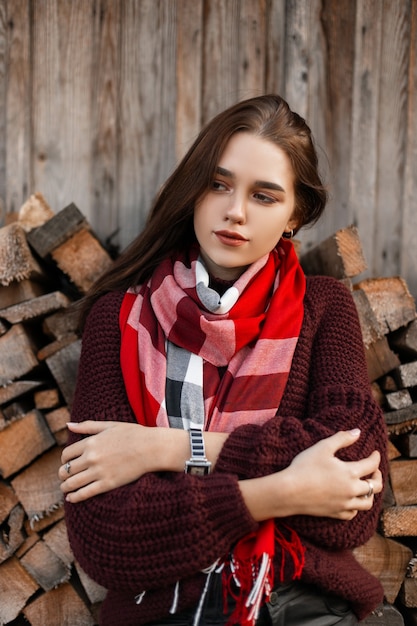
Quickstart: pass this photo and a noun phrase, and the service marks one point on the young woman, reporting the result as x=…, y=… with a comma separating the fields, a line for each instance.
x=255, y=378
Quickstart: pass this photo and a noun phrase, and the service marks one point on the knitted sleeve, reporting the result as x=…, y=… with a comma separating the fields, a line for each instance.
x=162, y=527
x=327, y=391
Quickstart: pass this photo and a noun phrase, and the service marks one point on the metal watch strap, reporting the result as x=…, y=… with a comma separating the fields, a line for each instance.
x=198, y=463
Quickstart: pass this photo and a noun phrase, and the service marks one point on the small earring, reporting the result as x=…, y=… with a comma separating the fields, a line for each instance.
x=287, y=235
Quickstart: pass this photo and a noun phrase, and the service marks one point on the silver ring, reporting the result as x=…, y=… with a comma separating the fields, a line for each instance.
x=67, y=467
x=371, y=489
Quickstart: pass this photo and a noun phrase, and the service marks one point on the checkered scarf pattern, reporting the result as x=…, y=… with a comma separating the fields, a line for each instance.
x=192, y=357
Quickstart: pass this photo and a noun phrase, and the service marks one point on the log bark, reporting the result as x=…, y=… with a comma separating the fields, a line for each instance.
x=16, y=259
x=35, y=308
x=56, y=230
x=20, y=291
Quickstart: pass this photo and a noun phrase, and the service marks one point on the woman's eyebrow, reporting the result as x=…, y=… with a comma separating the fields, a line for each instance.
x=258, y=183
x=267, y=185
x=223, y=172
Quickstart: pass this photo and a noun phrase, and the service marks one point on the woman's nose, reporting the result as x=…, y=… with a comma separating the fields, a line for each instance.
x=236, y=210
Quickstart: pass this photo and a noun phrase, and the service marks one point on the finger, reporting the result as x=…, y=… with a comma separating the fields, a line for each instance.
x=342, y=439
x=363, y=504
x=89, y=427
x=72, y=452
x=347, y=515
x=376, y=478
x=73, y=466
x=369, y=486
x=69, y=468
x=368, y=465
x=78, y=481
x=84, y=493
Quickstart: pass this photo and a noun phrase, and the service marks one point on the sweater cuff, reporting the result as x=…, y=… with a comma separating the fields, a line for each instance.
x=240, y=446
x=228, y=516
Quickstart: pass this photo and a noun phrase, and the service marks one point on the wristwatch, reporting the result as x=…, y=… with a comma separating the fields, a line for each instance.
x=198, y=463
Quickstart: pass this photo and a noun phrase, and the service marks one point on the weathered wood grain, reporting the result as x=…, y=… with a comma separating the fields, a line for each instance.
x=221, y=41
x=35, y=307
x=45, y=567
x=18, y=106
x=38, y=487
x=99, y=99
x=391, y=301
x=82, y=258
x=17, y=354
x=61, y=79
x=399, y=521
x=403, y=475
x=275, y=47
x=408, y=260
x=147, y=108
x=23, y=441
x=338, y=19
x=17, y=586
x=387, y=560
x=64, y=365
x=56, y=231
x=61, y=606
x=365, y=93
x=391, y=134
x=188, y=74
x=105, y=89
x=3, y=94
x=251, y=50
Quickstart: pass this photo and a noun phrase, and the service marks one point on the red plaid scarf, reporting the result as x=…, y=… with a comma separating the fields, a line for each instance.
x=249, y=334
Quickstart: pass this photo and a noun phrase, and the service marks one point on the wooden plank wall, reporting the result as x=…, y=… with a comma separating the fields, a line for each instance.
x=99, y=98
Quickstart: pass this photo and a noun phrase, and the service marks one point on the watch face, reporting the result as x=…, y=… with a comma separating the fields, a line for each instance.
x=199, y=470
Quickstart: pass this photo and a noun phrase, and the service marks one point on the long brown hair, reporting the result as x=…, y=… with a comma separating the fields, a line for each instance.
x=169, y=226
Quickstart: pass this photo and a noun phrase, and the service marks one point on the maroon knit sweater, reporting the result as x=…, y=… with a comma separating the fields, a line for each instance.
x=167, y=527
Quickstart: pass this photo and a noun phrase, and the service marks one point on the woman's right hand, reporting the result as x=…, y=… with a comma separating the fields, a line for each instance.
x=317, y=483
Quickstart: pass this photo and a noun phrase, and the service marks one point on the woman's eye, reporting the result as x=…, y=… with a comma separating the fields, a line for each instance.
x=264, y=198
x=217, y=185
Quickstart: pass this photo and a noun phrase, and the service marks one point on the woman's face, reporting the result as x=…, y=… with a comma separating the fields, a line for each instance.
x=250, y=203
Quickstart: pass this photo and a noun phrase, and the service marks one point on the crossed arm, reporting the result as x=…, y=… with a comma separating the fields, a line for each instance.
x=115, y=454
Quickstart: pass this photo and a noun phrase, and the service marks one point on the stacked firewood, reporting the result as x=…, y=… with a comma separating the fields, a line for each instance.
x=387, y=313
x=47, y=262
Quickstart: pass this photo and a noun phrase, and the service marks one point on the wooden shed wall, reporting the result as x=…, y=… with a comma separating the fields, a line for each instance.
x=99, y=98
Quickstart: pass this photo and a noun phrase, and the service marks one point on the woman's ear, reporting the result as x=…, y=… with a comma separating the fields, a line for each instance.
x=292, y=225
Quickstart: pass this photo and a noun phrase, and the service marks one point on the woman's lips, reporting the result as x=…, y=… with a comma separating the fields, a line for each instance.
x=229, y=238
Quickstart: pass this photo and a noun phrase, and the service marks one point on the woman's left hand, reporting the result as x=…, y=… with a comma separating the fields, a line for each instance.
x=114, y=454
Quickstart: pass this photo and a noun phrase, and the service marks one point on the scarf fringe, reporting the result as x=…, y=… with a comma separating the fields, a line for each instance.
x=209, y=571
x=254, y=577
